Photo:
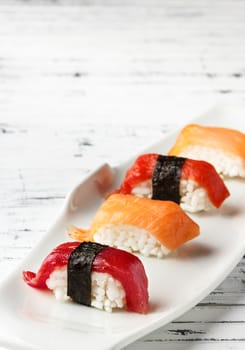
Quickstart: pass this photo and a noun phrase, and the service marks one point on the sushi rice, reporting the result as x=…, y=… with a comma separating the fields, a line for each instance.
x=107, y=293
x=193, y=197
x=132, y=239
x=227, y=165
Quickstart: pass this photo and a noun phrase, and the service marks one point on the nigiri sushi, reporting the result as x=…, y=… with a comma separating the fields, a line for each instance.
x=222, y=147
x=193, y=184
x=149, y=227
x=95, y=275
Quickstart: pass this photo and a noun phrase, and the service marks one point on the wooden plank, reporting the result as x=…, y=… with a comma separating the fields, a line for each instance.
x=81, y=52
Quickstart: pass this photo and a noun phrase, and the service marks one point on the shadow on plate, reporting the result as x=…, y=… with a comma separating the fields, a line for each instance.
x=193, y=250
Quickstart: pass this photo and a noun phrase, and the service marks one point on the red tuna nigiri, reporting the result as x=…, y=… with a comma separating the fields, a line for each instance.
x=84, y=260
x=160, y=177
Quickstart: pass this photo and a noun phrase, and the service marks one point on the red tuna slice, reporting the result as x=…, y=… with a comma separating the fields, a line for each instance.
x=129, y=270
x=140, y=171
x=207, y=177
x=121, y=265
x=199, y=171
x=57, y=258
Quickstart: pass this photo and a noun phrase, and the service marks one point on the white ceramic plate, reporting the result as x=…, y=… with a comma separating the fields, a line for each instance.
x=32, y=319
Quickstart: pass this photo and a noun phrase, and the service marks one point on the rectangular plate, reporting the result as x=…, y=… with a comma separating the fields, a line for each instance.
x=33, y=319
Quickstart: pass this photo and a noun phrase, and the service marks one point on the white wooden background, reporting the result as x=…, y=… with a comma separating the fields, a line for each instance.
x=83, y=82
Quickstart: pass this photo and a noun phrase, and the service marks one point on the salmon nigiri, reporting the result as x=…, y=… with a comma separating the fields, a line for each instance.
x=150, y=227
x=222, y=147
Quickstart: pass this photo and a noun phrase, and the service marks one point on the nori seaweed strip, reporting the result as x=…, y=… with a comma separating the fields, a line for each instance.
x=166, y=178
x=79, y=271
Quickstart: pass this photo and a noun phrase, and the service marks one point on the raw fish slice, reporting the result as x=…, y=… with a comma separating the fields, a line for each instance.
x=164, y=221
x=82, y=260
x=161, y=177
x=223, y=147
x=57, y=258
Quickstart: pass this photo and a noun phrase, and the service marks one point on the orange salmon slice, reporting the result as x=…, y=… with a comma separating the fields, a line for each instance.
x=229, y=140
x=164, y=220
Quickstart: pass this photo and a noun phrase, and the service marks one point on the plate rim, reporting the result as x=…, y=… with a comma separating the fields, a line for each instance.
x=61, y=212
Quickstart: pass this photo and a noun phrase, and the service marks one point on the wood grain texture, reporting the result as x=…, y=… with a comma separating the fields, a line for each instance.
x=99, y=60
x=84, y=82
